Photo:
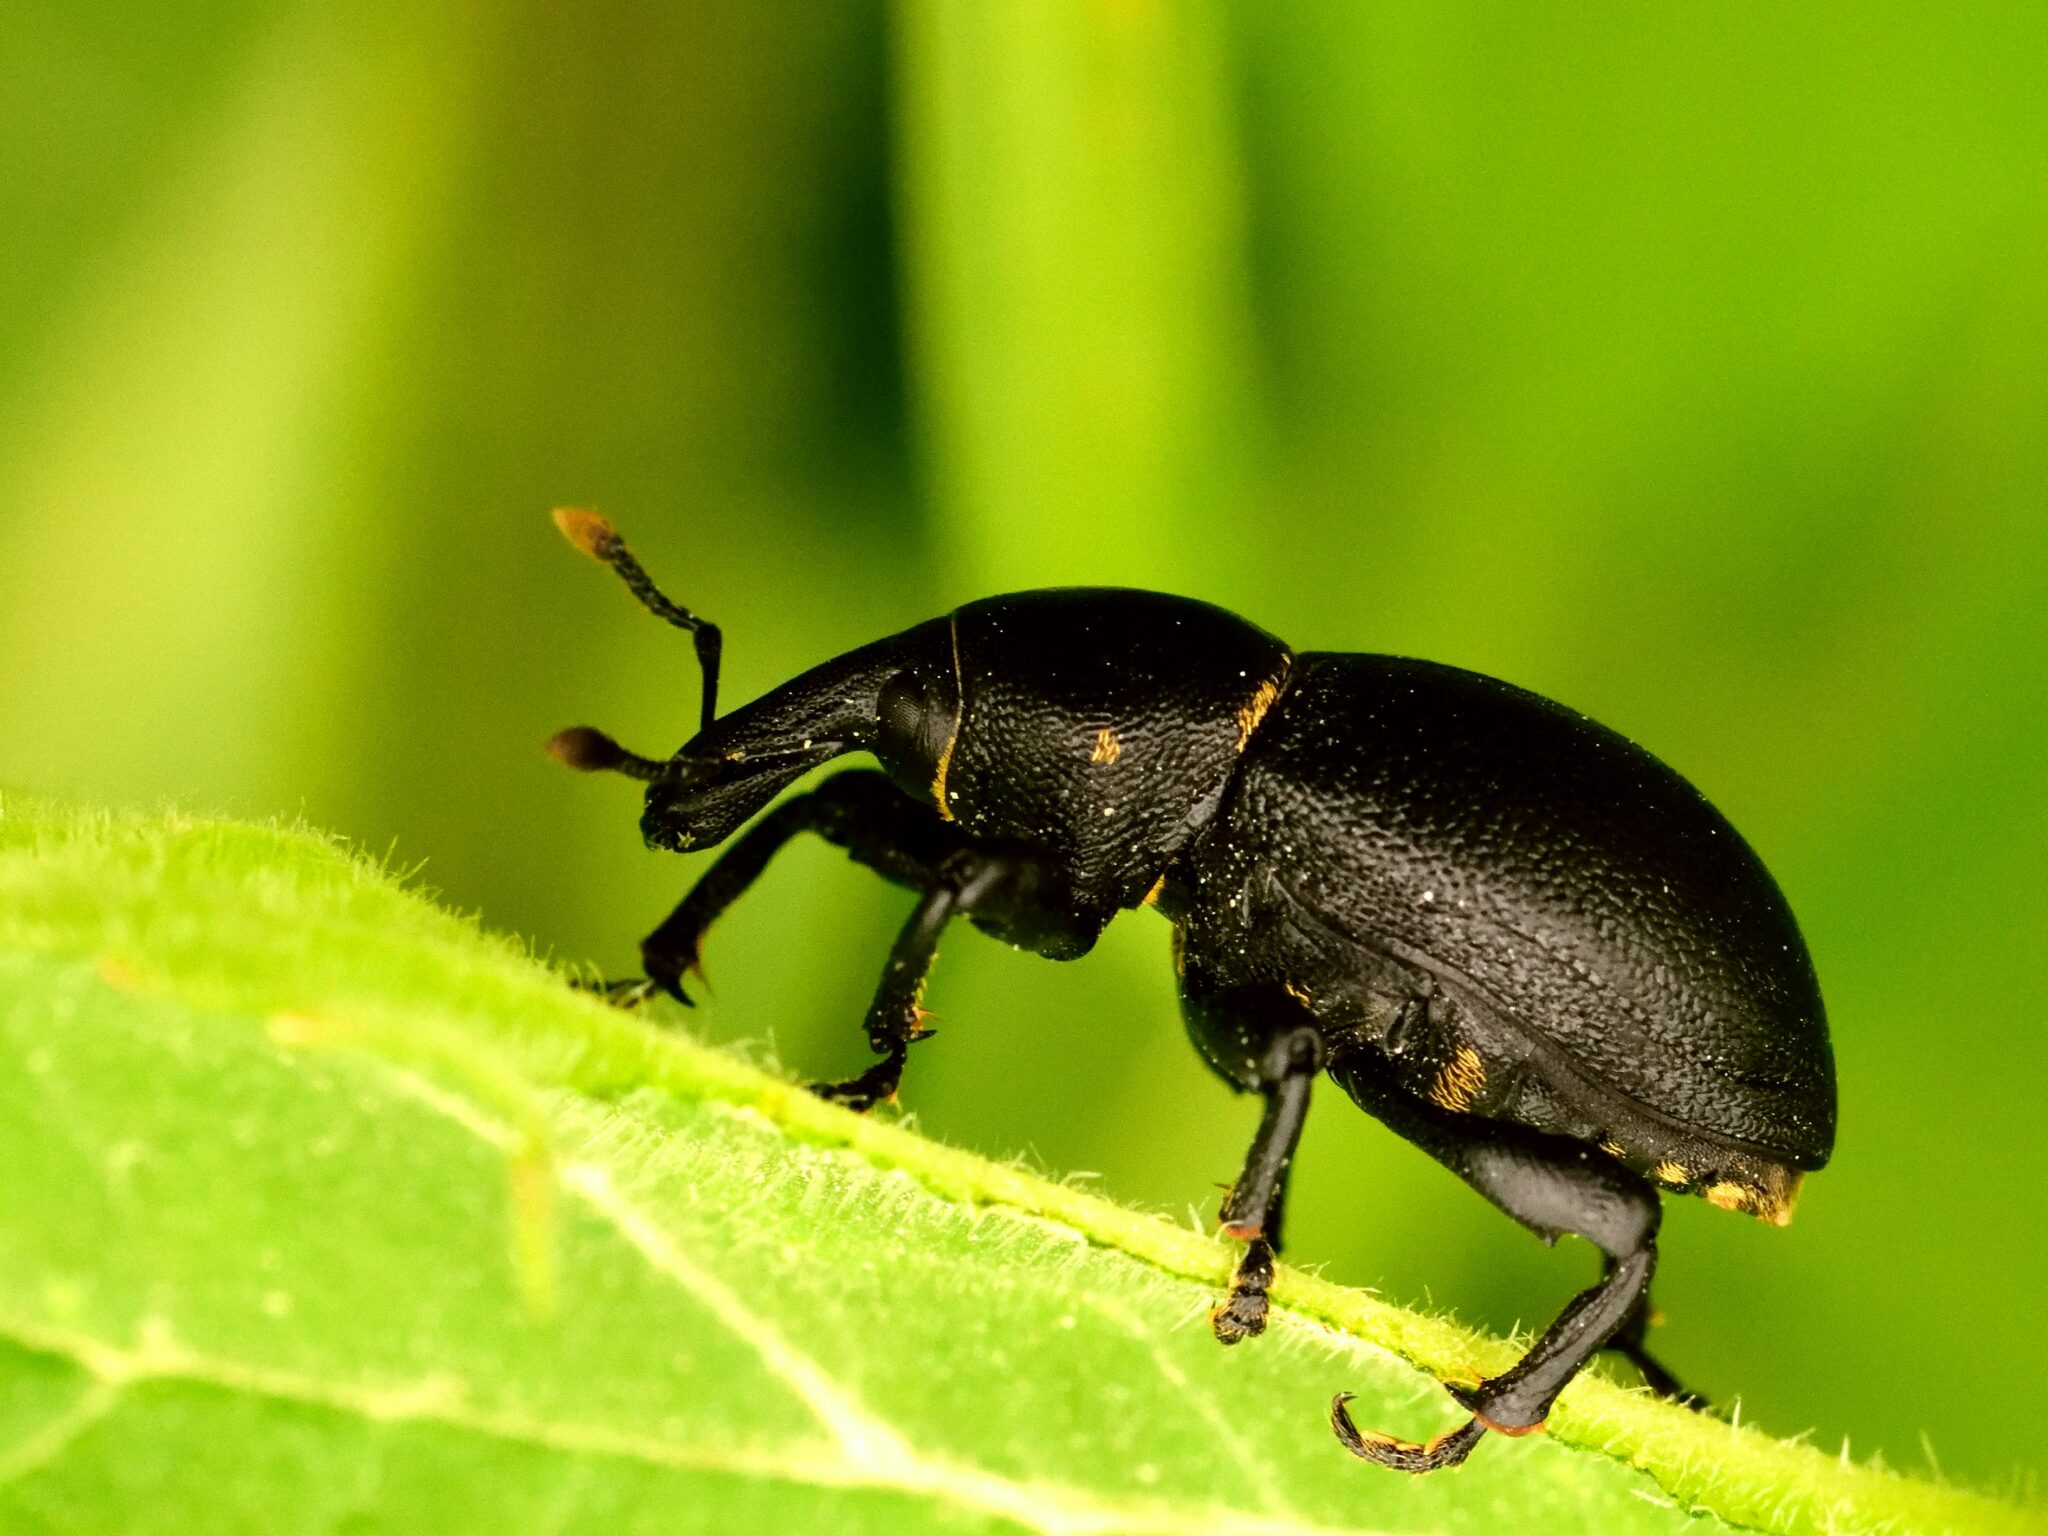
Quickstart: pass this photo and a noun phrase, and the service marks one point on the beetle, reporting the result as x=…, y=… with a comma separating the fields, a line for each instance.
x=1509, y=933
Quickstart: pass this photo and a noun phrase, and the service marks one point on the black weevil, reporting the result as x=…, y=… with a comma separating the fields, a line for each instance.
x=1514, y=936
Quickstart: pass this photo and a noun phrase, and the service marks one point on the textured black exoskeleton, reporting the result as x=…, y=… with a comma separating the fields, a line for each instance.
x=1515, y=937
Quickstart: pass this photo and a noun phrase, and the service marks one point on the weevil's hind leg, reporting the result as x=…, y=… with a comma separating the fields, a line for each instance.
x=1518, y=1400
x=1254, y=1209
x=1630, y=1343
x=1446, y=1450
x=1551, y=1186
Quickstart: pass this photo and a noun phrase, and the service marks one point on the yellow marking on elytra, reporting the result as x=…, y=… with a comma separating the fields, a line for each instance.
x=1674, y=1174
x=1298, y=994
x=1778, y=1205
x=1107, y=748
x=1151, y=897
x=1249, y=717
x=1766, y=1203
x=1458, y=1081
x=1613, y=1148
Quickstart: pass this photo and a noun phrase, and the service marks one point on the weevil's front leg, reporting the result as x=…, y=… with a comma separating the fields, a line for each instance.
x=859, y=810
x=1253, y=1210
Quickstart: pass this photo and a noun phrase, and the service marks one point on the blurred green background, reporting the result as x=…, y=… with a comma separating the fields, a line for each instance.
x=1684, y=363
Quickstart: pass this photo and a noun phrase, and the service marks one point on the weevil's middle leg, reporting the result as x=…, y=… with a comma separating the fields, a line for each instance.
x=1002, y=889
x=1256, y=1205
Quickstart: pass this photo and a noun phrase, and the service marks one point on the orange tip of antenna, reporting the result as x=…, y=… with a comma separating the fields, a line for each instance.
x=587, y=530
x=584, y=749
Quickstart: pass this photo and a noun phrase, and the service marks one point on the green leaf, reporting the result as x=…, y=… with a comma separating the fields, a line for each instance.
x=326, y=1211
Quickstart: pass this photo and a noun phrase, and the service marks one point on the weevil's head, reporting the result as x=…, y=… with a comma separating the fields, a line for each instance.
x=704, y=800
x=696, y=799
x=869, y=699
x=733, y=766
x=712, y=787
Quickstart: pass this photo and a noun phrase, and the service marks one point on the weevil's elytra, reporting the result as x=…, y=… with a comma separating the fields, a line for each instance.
x=1512, y=935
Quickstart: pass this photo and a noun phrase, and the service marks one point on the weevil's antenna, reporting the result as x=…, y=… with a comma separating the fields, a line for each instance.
x=598, y=539
x=591, y=751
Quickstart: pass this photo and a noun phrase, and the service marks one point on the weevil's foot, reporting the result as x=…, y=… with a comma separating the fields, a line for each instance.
x=1241, y=1316
x=666, y=970
x=1446, y=1450
x=1243, y=1312
x=875, y=1086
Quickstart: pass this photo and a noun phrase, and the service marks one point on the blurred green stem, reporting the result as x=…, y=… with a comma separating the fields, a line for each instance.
x=1076, y=300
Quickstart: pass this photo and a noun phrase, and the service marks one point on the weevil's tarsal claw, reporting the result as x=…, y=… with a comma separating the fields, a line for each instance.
x=1446, y=1450
x=666, y=970
x=874, y=1086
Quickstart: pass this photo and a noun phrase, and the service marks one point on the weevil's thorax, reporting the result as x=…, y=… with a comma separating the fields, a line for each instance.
x=1096, y=726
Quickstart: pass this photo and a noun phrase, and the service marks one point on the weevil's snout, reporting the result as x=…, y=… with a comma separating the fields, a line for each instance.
x=692, y=802
x=697, y=812
x=700, y=801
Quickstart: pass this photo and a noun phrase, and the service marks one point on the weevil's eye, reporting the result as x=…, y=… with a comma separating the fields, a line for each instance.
x=915, y=722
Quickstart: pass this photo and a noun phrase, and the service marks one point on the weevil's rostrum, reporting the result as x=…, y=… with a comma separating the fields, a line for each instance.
x=1512, y=935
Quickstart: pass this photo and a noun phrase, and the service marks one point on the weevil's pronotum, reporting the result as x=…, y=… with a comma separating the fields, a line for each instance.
x=1514, y=936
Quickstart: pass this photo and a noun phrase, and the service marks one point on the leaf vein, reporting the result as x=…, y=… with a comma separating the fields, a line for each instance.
x=879, y=1453
x=1054, y=1509
x=47, y=1442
